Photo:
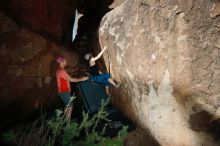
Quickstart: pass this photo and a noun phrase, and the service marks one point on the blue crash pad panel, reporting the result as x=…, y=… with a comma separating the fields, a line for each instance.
x=92, y=95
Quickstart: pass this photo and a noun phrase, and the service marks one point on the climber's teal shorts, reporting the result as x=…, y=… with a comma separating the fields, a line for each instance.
x=101, y=79
x=65, y=97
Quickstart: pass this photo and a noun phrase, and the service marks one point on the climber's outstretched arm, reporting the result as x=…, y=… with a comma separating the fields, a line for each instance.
x=99, y=55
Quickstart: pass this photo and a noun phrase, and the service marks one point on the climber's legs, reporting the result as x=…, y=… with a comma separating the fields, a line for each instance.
x=68, y=111
x=113, y=83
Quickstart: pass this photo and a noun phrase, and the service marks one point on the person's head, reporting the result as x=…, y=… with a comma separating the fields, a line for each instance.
x=88, y=56
x=61, y=61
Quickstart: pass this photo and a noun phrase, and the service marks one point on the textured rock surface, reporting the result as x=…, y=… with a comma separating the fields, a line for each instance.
x=27, y=72
x=53, y=18
x=167, y=56
x=139, y=137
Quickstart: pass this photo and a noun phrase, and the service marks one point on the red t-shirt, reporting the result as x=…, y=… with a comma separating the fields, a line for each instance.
x=62, y=82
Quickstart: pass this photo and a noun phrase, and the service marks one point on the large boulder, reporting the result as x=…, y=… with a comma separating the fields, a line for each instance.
x=27, y=72
x=166, y=54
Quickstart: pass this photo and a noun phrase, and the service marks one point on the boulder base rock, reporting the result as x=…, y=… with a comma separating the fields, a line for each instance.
x=139, y=137
x=166, y=54
x=27, y=72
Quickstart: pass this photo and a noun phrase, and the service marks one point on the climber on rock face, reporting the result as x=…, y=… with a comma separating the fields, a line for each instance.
x=63, y=83
x=96, y=75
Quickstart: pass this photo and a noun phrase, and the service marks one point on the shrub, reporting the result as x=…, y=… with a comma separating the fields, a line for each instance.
x=57, y=131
